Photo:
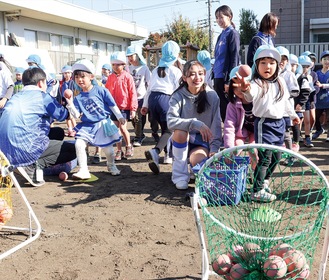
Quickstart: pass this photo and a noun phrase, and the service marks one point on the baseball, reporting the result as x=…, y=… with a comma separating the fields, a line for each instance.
x=275, y=267
x=294, y=259
x=244, y=70
x=222, y=264
x=68, y=93
x=63, y=176
x=280, y=249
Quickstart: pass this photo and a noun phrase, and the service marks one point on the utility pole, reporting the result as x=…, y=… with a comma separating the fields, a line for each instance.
x=209, y=26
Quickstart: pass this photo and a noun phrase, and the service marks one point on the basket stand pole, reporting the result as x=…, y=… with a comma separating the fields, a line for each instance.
x=34, y=233
x=325, y=250
x=205, y=261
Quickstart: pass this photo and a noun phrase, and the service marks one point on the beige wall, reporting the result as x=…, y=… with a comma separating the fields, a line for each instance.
x=289, y=30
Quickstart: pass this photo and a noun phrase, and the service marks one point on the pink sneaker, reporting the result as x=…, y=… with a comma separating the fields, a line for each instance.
x=295, y=147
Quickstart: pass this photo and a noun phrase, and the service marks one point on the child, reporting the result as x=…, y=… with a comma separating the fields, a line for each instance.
x=302, y=101
x=18, y=86
x=239, y=121
x=269, y=94
x=296, y=137
x=34, y=60
x=106, y=72
x=67, y=83
x=322, y=98
x=204, y=58
x=164, y=81
x=194, y=118
x=95, y=103
x=142, y=75
x=121, y=85
x=310, y=105
x=293, y=89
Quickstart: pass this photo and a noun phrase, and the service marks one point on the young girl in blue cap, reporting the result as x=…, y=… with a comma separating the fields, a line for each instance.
x=142, y=75
x=164, y=81
x=270, y=97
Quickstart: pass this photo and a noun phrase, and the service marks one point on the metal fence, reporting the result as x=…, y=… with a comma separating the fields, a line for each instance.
x=296, y=49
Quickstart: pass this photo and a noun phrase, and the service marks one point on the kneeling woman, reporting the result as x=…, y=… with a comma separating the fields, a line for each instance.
x=194, y=118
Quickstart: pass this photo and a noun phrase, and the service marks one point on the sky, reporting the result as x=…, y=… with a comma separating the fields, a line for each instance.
x=156, y=14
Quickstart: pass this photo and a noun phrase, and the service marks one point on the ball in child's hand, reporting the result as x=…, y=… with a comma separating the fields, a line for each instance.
x=275, y=267
x=244, y=70
x=68, y=93
x=63, y=176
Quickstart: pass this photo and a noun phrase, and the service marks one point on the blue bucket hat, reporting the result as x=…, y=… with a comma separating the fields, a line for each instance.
x=293, y=59
x=204, y=58
x=283, y=51
x=118, y=58
x=107, y=66
x=304, y=60
x=84, y=65
x=265, y=51
x=135, y=49
x=170, y=51
x=67, y=68
x=19, y=70
x=34, y=58
x=309, y=54
x=323, y=54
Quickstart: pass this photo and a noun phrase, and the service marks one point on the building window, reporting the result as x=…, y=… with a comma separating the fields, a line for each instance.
x=55, y=42
x=43, y=40
x=109, y=48
x=30, y=37
x=321, y=38
x=67, y=44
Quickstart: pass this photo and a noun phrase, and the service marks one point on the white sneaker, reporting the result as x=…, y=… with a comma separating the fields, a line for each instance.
x=266, y=186
x=114, y=171
x=167, y=159
x=182, y=185
x=153, y=158
x=263, y=196
x=82, y=175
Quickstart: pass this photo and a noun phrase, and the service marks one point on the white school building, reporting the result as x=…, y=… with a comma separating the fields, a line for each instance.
x=61, y=33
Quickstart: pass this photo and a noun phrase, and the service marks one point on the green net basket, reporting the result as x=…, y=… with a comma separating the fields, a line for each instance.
x=254, y=238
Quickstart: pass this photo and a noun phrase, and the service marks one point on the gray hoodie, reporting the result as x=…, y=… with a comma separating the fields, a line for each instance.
x=182, y=115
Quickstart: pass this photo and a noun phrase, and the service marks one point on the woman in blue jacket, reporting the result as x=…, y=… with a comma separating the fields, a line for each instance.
x=226, y=54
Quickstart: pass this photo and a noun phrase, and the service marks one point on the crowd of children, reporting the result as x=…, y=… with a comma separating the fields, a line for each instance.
x=269, y=106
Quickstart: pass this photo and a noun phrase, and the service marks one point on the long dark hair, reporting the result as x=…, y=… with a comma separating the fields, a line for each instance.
x=264, y=84
x=226, y=10
x=201, y=101
x=268, y=24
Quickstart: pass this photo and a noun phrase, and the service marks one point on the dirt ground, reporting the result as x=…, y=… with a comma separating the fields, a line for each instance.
x=132, y=226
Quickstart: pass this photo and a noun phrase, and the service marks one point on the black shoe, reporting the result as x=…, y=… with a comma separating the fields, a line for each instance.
x=29, y=173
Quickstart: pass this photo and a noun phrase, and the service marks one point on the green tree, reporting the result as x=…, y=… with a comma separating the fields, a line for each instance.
x=248, y=26
x=181, y=31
